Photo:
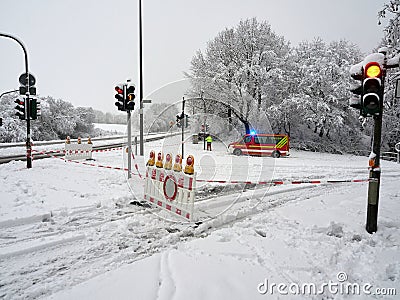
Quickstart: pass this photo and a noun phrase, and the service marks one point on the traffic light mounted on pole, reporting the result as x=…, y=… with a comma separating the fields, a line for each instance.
x=372, y=89
x=187, y=121
x=120, y=96
x=368, y=98
x=180, y=120
x=130, y=97
x=21, y=108
x=35, y=109
x=357, y=90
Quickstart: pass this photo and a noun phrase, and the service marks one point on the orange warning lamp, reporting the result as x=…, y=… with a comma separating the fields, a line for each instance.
x=79, y=140
x=189, y=168
x=160, y=157
x=168, y=162
x=371, y=162
x=178, y=163
x=68, y=140
x=151, y=160
x=89, y=140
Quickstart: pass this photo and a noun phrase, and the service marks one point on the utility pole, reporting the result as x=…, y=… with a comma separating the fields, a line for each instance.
x=140, y=82
x=183, y=127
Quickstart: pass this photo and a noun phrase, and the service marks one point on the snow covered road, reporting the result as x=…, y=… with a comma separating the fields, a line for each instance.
x=64, y=224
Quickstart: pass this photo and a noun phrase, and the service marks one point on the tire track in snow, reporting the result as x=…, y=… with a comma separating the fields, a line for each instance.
x=111, y=243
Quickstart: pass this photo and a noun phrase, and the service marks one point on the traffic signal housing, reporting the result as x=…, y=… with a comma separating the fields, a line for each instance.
x=35, y=109
x=372, y=89
x=20, y=108
x=179, y=120
x=357, y=90
x=187, y=119
x=130, y=97
x=120, y=96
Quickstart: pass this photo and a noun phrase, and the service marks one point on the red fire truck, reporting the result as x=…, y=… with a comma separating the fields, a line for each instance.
x=275, y=145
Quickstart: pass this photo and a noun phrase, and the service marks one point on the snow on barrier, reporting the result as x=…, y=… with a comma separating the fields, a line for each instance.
x=174, y=191
x=78, y=151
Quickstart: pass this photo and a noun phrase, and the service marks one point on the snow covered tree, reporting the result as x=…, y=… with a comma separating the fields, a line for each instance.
x=242, y=69
x=391, y=31
x=159, y=116
x=391, y=119
x=319, y=108
x=13, y=130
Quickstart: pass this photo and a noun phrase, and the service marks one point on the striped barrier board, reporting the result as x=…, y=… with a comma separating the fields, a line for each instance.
x=170, y=190
x=78, y=151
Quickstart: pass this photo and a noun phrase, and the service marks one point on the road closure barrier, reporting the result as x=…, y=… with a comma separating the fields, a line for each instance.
x=171, y=190
x=78, y=150
x=280, y=182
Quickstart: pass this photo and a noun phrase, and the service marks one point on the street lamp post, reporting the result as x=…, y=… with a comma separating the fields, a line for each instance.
x=28, y=122
x=140, y=82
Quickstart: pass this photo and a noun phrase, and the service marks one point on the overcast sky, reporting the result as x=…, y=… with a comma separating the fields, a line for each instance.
x=79, y=49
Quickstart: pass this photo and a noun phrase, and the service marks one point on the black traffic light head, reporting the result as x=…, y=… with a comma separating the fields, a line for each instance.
x=35, y=109
x=372, y=89
x=120, y=96
x=130, y=97
x=20, y=108
x=178, y=121
x=187, y=118
x=130, y=91
x=356, y=89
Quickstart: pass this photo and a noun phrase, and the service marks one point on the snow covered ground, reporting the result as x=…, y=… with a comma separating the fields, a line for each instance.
x=117, y=128
x=72, y=231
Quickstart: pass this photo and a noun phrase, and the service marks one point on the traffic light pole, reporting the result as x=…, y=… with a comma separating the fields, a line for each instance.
x=374, y=179
x=183, y=127
x=28, y=133
x=129, y=144
x=375, y=171
x=28, y=123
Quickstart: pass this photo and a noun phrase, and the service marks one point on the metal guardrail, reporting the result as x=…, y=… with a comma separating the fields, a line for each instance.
x=57, y=142
x=8, y=158
x=392, y=156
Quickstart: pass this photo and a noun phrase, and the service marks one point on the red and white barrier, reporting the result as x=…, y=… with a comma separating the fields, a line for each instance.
x=170, y=190
x=280, y=182
x=78, y=151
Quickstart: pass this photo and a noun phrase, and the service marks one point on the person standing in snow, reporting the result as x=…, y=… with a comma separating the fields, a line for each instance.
x=209, y=141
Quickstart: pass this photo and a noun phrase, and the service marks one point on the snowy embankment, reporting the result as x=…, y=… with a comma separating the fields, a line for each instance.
x=70, y=232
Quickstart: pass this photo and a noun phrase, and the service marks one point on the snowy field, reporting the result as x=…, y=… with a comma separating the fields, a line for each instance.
x=73, y=231
x=117, y=128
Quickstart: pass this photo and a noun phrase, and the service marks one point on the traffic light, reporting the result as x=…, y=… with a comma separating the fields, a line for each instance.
x=179, y=120
x=356, y=89
x=120, y=97
x=130, y=98
x=20, y=107
x=187, y=121
x=372, y=89
x=35, y=109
